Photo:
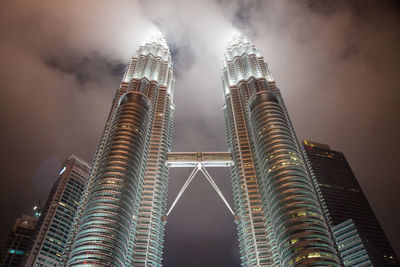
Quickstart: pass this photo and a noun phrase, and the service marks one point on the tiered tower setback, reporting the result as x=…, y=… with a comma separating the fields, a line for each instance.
x=121, y=222
x=279, y=218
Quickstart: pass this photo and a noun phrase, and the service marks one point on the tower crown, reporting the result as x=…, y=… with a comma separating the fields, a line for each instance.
x=243, y=61
x=153, y=62
x=240, y=45
x=158, y=39
x=155, y=45
x=238, y=39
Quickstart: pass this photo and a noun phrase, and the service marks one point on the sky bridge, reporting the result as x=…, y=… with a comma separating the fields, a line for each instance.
x=199, y=161
x=191, y=159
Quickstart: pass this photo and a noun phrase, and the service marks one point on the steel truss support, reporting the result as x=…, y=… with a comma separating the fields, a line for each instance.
x=200, y=167
x=214, y=185
x=188, y=181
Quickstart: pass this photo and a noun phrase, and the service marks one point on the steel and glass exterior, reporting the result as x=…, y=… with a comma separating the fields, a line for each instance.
x=353, y=247
x=156, y=61
x=121, y=219
x=280, y=221
x=57, y=217
x=346, y=205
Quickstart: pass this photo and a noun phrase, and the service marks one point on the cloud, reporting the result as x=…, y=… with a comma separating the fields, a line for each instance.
x=60, y=66
x=336, y=63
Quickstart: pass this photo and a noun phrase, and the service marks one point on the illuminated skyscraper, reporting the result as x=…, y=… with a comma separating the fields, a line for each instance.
x=279, y=218
x=58, y=214
x=122, y=214
x=121, y=222
x=355, y=225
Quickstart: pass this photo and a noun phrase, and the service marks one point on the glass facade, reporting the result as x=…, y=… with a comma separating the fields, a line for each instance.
x=57, y=217
x=280, y=221
x=352, y=246
x=121, y=218
x=109, y=221
x=343, y=200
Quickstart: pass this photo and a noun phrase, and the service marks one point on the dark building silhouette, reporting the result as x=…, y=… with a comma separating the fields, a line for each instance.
x=344, y=199
x=19, y=241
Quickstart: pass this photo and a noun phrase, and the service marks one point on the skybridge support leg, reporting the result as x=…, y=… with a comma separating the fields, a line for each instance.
x=214, y=185
x=188, y=181
x=200, y=167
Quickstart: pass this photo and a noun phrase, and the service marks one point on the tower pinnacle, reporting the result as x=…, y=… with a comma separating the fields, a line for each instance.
x=158, y=39
x=239, y=38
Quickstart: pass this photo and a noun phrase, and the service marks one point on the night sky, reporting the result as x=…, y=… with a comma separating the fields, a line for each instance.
x=336, y=62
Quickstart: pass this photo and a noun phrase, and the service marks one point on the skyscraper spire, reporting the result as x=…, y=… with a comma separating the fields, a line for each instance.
x=158, y=39
x=280, y=221
x=153, y=62
x=238, y=39
x=246, y=62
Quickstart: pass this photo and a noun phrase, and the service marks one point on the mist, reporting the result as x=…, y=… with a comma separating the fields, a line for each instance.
x=336, y=63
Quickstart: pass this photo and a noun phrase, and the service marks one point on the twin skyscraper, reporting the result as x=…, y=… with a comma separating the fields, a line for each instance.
x=121, y=217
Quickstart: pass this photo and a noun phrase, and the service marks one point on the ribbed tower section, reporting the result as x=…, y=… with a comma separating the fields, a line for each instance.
x=279, y=218
x=148, y=246
x=120, y=222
